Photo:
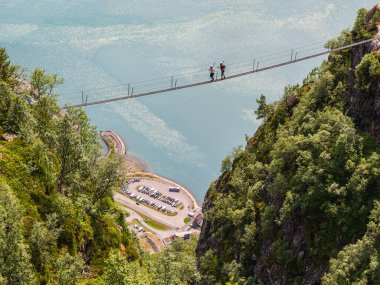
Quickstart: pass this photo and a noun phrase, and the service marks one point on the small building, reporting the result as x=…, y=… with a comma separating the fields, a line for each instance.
x=167, y=240
x=197, y=222
x=184, y=235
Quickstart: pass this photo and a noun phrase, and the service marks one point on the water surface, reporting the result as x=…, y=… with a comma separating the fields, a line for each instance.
x=183, y=135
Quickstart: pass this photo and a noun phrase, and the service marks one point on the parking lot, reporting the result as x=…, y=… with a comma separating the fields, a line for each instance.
x=153, y=198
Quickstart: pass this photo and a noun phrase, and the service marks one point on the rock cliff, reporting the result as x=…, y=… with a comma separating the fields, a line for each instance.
x=303, y=190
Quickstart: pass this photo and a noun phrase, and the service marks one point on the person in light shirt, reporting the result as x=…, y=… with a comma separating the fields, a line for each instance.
x=212, y=72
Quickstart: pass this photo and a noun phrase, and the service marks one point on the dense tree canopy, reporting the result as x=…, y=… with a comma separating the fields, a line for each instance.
x=58, y=222
x=57, y=218
x=296, y=202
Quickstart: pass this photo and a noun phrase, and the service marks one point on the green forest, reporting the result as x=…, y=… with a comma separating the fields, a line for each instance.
x=300, y=204
x=58, y=221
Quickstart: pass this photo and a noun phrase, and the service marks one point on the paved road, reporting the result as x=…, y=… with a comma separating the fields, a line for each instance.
x=118, y=144
x=150, y=213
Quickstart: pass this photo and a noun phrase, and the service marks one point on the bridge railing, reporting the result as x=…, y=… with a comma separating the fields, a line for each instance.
x=199, y=76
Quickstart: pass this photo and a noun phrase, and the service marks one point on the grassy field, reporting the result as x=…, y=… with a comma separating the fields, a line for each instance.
x=186, y=220
x=154, y=224
x=150, y=222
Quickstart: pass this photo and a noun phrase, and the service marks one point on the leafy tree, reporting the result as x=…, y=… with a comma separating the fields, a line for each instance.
x=44, y=83
x=226, y=163
x=345, y=38
x=69, y=269
x=46, y=162
x=43, y=240
x=45, y=113
x=175, y=265
x=368, y=72
x=209, y=267
x=15, y=266
x=359, y=28
x=70, y=222
x=13, y=110
x=69, y=153
x=108, y=174
x=228, y=160
x=263, y=110
x=7, y=70
x=119, y=271
x=358, y=263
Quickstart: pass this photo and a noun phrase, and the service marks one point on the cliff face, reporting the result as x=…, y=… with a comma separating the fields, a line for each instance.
x=305, y=186
x=364, y=107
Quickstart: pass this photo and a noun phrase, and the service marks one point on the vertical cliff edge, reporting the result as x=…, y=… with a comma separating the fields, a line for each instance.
x=299, y=205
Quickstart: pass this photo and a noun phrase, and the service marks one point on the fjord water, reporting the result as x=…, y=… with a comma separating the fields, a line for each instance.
x=183, y=135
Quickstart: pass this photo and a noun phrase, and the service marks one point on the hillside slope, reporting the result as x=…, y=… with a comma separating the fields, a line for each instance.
x=58, y=222
x=300, y=204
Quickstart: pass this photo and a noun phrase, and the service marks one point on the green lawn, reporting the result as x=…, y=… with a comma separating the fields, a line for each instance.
x=137, y=222
x=152, y=223
x=155, y=224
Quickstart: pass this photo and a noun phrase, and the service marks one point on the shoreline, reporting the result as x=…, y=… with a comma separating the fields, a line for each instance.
x=132, y=162
x=137, y=166
x=118, y=143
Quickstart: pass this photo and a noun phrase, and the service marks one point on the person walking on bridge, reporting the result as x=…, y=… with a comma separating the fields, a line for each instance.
x=212, y=72
x=222, y=69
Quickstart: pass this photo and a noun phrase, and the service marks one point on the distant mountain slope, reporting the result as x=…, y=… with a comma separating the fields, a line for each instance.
x=300, y=204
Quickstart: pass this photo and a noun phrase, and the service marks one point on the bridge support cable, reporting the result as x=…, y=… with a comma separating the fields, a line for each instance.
x=253, y=67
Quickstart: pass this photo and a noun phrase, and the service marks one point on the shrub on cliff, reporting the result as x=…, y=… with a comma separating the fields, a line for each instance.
x=368, y=72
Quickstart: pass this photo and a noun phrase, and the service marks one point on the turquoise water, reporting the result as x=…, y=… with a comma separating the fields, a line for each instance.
x=183, y=135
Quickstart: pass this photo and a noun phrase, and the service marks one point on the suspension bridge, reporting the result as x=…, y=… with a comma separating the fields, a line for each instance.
x=190, y=80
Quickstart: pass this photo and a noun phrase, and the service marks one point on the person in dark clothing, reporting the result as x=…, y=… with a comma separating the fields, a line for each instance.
x=222, y=69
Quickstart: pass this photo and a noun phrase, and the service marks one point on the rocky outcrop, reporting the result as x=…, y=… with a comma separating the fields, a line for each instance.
x=364, y=107
x=372, y=12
